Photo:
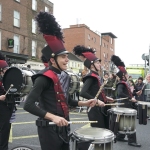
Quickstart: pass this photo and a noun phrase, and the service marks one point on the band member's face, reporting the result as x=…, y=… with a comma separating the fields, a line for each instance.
x=62, y=61
x=97, y=65
x=148, y=79
x=130, y=82
x=106, y=76
x=139, y=81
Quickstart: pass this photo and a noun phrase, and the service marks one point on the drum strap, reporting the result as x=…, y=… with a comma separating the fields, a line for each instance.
x=99, y=83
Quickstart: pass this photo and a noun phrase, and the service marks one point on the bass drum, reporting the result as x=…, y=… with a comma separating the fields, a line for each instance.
x=74, y=84
x=21, y=80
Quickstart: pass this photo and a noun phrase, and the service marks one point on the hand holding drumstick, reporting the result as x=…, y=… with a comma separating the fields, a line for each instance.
x=9, y=89
x=3, y=97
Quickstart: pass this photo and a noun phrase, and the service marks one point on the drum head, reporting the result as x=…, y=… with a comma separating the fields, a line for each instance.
x=99, y=135
x=144, y=103
x=13, y=76
x=121, y=110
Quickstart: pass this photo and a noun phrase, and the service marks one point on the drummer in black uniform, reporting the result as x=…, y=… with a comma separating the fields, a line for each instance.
x=92, y=83
x=124, y=91
x=51, y=87
x=7, y=105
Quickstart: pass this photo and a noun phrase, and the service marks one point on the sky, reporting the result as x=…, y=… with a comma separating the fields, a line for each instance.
x=129, y=20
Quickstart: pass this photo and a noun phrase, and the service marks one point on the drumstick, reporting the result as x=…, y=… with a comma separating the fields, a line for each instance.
x=75, y=122
x=99, y=91
x=120, y=99
x=114, y=104
x=9, y=89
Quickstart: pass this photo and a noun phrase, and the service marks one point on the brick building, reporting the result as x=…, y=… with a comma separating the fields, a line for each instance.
x=103, y=43
x=17, y=23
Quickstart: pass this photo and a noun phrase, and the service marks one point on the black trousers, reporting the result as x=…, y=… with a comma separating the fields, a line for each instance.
x=5, y=125
x=50, y=139
x=99, y=114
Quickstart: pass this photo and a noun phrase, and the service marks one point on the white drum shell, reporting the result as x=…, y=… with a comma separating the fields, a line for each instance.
x=127, y=119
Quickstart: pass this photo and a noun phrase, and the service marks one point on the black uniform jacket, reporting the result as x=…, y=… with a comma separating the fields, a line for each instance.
x=43, y=91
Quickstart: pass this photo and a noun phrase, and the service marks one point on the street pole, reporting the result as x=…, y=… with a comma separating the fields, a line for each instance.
x=149, y=59
x=145, y=68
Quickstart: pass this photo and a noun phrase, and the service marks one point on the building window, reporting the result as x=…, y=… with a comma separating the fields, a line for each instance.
x=46, y=9
x=34, y=5
x=34, y=48
x=89, y=37
x=111, y=40
x=94, y=39
x=16, y=19
x=0, y=41
x=104, y=54
x=16, y=44
x=33, y=26
x=0, y=12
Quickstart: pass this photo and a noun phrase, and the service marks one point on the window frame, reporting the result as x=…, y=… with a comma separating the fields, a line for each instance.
x=34, y=47
x=17, y=19
x=18, y=50
x=34, y=26
x=47, y=9
x=34, y=7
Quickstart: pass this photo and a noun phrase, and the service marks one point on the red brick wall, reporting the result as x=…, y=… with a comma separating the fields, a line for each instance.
x=25, y=30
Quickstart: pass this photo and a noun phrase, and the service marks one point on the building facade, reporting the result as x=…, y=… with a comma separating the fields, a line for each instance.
x=103, y=43
x=18, y=29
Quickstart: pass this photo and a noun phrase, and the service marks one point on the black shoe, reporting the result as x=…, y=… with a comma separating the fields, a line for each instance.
x=121, y=139
x=134, y=144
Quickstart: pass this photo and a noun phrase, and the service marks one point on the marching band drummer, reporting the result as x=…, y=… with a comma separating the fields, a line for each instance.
x=123, y=91
x=52, y=89
x=7, y=105
x=91, y=86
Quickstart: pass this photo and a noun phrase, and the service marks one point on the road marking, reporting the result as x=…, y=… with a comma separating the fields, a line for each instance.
x=25, y=137
x=21, y=113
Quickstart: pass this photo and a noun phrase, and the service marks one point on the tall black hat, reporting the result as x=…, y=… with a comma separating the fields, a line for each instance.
x=120, y=65
x=52, y=34
x=87, y=53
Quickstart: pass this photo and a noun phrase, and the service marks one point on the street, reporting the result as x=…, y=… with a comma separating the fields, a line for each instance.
x=24, y=131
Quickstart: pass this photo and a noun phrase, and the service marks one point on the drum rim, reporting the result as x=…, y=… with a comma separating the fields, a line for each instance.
x=106, y=139
x=134, y=112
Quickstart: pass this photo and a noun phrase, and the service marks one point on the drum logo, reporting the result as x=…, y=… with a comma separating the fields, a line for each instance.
x=21, y=148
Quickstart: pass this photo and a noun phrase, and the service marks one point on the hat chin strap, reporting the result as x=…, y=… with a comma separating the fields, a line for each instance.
x=95, y=67
x=57, y=64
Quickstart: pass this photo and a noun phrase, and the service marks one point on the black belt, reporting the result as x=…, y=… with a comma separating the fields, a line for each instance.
x=61, y=131
x=42, y=123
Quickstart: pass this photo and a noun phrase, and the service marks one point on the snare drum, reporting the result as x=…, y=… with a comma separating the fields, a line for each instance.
x=21, y=80
x=74, y=83
x=127, y=119
x=148, y=106
x=102, y=138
